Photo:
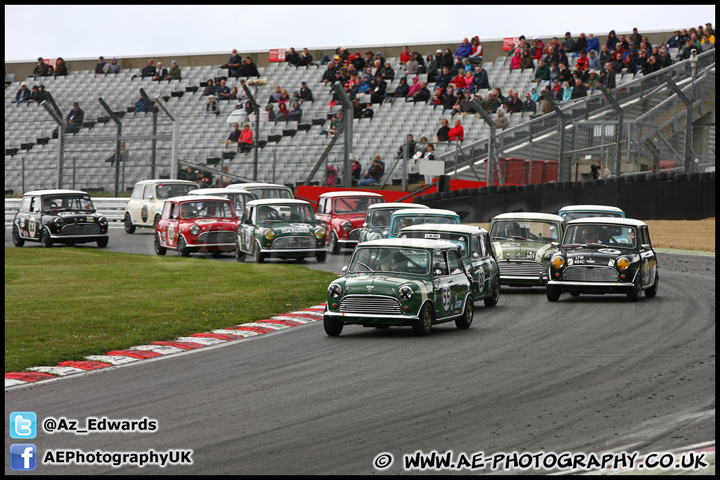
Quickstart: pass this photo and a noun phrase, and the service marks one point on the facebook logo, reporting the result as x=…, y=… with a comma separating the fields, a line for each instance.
x=23, y=425
x=23, y=456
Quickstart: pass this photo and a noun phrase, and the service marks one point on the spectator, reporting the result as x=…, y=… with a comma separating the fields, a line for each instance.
x=567, y=92
x=546, y=108
x=501, y=121
x=526, y=61
x=373, y=175
x=282, y=113
x=337, y=125
x=447, y=60
x=444, y=79
x=429, y=155
x=224, y=180
x=605, y=55
x=457, y=66
x=583, y=62
x=234, y=136
x=112, y=67
x=514, y=104
x=276, y=95
x=378, y=93
x=209, y=89
x=431, y=67
x=536, y=50
x=459, y=80
x=463, y=105
x=443, y=132
x=579, y=90
x=100, y=66
x=557, y=90
x=457, y=132
x=612, y=40
x=305, y=92
x=212, y=107
x=476, y=50
x=564, y=73
x=34, y=94
x=568, y=44
x=528, y=106
x=480, y=79
x=491, y=104
x=411, y=149
x=368, y=111
x=580, y=45
x=306, y=59
x=245, y=142
x=22, y=95
x=593, y=61
x=142, y=105
x=464, y=50
x=222, y=92
x=292, y=57
x=149, y=70
x=356, y=170
x=41, y=69
x=448, y=98
x=43, y=95
x=542, y=73
x=124, y=154
x=618, y=64
x=174, y=73
x=284, y=97
x=76, y=116
x=60, y=67
x=295, y=114
x=387, y=72
x=329, y=74
x=593, y=44
x=412, y=66
x=593, y=80
x=250, y=69
x=238, y=115
x=551, y=56
x=405, y=55
x=271, y=112
x=706, y=44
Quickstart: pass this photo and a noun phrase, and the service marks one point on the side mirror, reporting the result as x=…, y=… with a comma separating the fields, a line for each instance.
x=646, y=246
x=151, y=197
x=438, y=272
x=475, y=256
x=555, y=244
x=344, y=268
x=364, y=225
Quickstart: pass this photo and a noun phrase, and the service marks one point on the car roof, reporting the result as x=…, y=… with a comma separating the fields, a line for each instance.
x=528, y=216
x=608, y=220
x=445, y=227
x=166, y=180
x=218, y=191
x=408, y=243
x=277, y=201
x=56, y=191
x=247, y=186
x=350, y=194
x=195, y=198
x=398, y=205
x=429, y=211
x=590, y=208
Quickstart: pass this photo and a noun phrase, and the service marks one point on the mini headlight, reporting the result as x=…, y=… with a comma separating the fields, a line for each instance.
x=58, y=220
x=406, y=293
x=548, y=256
x=374, y=236
x=334, y=290
x=319, y=233
x=347, y=226
x=623, y=263
x=558, y=261
x=270, y=234
x=102, y=220
x=194, y=229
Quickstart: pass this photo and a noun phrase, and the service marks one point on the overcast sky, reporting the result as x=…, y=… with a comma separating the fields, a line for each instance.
x=76, y=32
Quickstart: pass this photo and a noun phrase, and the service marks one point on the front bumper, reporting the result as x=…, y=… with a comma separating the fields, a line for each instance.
x=592, y=287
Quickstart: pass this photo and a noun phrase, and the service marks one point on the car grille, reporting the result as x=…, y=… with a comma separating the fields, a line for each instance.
x=590, y=274
x=217, y=237
x=294, y=242
x=81, y=229
x=520, y=268
x=355, y=234
x=370, y=305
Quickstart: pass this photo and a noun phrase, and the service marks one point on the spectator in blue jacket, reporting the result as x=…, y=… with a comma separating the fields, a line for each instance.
x=464, y=50
x=593, y=43
x=676, y=41
x=480, y=79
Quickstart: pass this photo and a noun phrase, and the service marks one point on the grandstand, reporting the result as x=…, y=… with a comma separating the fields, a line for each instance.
x=289, y=151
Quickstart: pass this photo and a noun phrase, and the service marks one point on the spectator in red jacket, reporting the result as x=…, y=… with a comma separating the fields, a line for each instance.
x=457, y=132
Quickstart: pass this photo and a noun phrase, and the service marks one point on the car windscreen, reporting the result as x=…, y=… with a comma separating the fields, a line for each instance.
x=285, y=213
x=462, y=241
x=344, y=205
x=390, y=259
x=402, y=221
x=165, y=191
x=271, y=193
x=206, y=209
x=379, y=218
x=588, y=235
x=524, y=230
x=67, y=203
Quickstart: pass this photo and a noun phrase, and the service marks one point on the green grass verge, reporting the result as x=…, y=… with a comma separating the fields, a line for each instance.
x=64, y=304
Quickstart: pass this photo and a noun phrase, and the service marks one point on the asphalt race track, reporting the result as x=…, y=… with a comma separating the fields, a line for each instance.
x=586, y=374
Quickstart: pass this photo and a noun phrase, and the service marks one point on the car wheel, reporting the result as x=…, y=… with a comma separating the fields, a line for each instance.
x=652, y=291
x=183, y=250
x=45, y=239
x=129, y=227
x=552, y=292
x=423, y=325
x=332, y=327
x=495, y=297
x=333, y=244
x=634, y=294
x=321, y=257
x=16, y=239
x=102, y=242
x=159, y=249
x=465, y=320
x=259, y=256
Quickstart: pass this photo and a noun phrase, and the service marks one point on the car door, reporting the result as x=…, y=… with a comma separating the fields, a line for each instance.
x=480, y=268
x=247, y=230
x=457, y=281
x=447, y=284
x=323, y=213
x=34, y=218
x=170, y=223
x=647, y=256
